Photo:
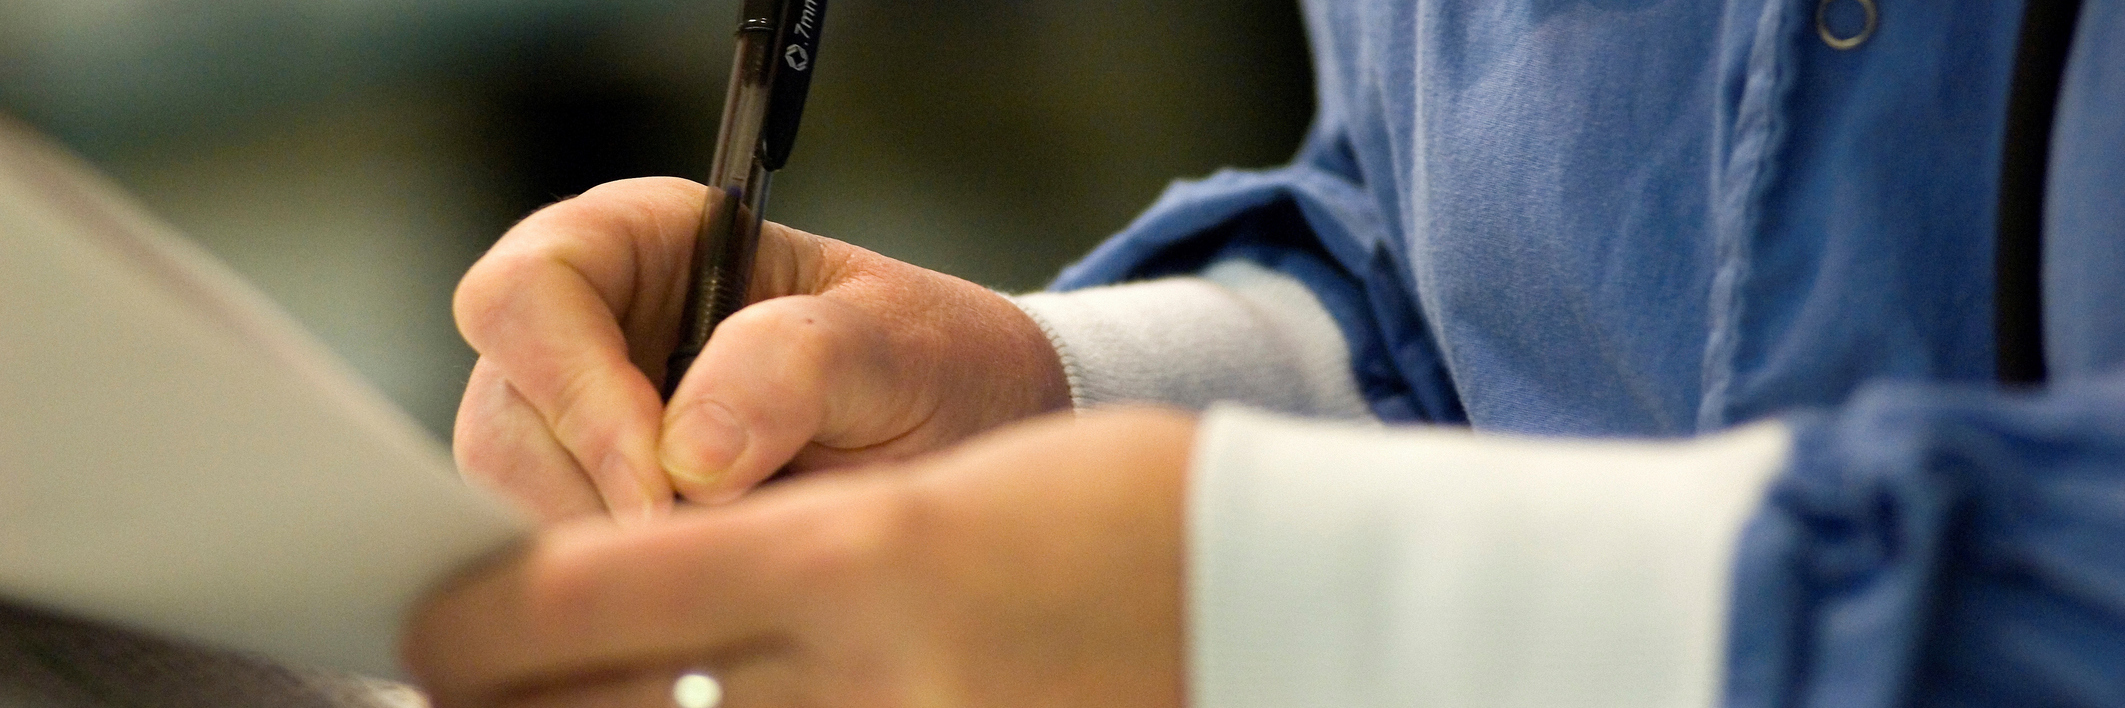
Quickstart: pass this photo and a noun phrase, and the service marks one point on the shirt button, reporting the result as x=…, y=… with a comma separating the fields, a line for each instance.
x=1844, y=24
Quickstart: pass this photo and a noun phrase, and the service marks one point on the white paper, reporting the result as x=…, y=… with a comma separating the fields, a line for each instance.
x=177, y=456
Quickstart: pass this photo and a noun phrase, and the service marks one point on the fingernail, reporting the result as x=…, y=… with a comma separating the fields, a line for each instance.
x=700, y=445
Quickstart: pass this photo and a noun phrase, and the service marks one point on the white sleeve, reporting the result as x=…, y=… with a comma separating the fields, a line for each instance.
x=1357, y=566
x=1240, y=332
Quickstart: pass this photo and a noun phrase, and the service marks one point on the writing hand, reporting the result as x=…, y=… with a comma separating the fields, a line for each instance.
x=845, y=356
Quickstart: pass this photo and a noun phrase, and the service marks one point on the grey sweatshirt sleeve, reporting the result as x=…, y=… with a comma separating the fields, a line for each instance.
x=1239, y=332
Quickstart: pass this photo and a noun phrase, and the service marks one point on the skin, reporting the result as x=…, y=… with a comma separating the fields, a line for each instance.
x=1022, y=569
x=846, y=357
x=1036, y=564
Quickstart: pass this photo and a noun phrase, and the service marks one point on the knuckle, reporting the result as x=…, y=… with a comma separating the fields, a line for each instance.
x=504, y=286
x=632, y=186
x=480, y=301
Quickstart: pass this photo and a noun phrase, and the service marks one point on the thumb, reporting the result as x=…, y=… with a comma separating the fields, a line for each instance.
x=777, y=376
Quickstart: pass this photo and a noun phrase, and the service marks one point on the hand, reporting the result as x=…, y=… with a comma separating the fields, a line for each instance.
x=844, y=357
x=1037, y=566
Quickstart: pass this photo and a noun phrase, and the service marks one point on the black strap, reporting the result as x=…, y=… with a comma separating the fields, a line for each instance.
x=2039, y=63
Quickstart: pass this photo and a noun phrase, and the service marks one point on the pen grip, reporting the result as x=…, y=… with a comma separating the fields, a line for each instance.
x=721, y=273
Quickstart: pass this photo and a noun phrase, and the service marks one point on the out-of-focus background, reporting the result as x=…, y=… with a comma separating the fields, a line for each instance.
x=353, y=157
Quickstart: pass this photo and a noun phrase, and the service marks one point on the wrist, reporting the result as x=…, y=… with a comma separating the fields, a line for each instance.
x=1013, y=360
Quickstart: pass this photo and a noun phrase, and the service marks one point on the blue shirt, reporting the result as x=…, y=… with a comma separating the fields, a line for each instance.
x=1666, y=217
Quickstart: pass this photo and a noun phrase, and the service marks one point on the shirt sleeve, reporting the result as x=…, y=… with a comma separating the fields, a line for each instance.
x=1941, y=545
x=1318, y=222
x=1342, y=565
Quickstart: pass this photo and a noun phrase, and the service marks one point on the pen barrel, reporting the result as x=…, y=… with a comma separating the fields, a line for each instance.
x=751, y=92
x=730, y=217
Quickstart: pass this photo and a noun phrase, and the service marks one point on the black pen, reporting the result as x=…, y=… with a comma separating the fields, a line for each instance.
x=778, y=42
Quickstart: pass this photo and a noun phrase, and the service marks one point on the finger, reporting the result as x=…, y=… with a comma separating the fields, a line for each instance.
x=630, y=241
x=555, y=305
x=717, y=582
x=777, y=376
x=576, y=377
x=503, y=445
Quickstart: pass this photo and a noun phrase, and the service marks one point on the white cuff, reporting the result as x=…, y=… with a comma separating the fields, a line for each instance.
x=1240, y=332
x=1339, y=565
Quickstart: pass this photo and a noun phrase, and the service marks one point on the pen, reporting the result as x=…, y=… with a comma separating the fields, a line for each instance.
x=778, y=43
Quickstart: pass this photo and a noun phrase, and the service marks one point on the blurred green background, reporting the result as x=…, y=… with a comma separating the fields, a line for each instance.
x=353, y=157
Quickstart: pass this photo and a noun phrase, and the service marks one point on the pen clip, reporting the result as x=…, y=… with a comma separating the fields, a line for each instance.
x=796, y=52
